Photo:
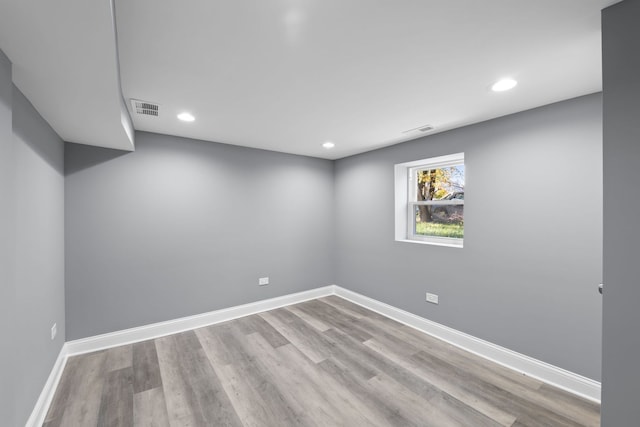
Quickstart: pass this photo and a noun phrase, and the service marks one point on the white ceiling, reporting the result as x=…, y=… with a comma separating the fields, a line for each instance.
x=288, y=75
x=65, y=61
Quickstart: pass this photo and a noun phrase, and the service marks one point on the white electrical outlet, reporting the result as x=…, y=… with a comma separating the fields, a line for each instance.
x=54, y=330
x=432, y=298
x=263, y=281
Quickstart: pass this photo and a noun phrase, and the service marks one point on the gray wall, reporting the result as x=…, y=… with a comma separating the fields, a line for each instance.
x=621, y=345
x=32, y=245
x=527, y=276
x=181, y=227
x=7, y=243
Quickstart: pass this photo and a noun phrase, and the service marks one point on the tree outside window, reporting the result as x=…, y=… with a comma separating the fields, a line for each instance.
x=429, y=201
x=439, y=202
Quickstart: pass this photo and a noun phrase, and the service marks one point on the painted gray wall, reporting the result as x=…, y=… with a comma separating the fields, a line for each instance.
x=181, y=227
x=39, y=171
x=7, y=243
x=527, y=276
x=621, y=344
x=31, y=160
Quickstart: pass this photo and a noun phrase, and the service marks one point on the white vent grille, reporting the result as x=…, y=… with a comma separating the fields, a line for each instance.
x=423, y=128
x=145, y=108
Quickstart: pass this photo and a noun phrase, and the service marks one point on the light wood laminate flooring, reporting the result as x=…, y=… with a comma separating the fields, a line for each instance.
x=324, y=362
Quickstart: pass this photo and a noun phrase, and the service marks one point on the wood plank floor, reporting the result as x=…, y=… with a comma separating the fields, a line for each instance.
x=325, y=362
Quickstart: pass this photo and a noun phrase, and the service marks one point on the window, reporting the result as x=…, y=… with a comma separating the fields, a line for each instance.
x=430, y=200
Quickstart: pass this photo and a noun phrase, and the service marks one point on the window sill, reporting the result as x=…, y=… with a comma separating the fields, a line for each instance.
x=433, y=243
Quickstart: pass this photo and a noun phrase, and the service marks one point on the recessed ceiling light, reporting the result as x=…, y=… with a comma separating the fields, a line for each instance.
x=328, y=145
x=504, y=84
x=186, y=117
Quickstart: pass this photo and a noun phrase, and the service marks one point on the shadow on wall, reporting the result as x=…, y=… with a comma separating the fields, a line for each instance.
x=37, y=135
x=90, y=156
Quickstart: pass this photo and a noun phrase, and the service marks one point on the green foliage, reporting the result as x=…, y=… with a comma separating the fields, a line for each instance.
x=434, y=184
x=440, y=230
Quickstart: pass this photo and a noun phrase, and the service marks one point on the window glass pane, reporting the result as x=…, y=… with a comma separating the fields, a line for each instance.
x=440, y=183
x=439, y=221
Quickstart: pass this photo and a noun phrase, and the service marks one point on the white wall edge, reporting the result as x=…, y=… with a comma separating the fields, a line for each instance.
x=155, y=330
x=553, y=375
x=46, y=395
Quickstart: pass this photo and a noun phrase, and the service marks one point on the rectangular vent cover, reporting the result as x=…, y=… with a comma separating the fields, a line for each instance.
x=144, y=108
x=424, y=128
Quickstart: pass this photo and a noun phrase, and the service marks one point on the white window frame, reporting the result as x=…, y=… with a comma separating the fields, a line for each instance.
x=406, y=200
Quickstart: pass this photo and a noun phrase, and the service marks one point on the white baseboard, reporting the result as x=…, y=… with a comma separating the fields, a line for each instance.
x=46, y=395
x=155, y=330
x=545, y=372
x=561, y=378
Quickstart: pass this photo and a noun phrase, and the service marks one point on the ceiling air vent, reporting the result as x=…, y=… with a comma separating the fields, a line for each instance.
x=424, y=128
x=144, y=108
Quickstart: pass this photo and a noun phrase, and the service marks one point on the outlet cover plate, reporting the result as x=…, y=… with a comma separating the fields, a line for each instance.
x=432, y=298
x=263, y=281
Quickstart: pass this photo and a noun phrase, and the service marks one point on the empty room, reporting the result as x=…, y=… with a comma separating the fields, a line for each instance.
x=319, y=213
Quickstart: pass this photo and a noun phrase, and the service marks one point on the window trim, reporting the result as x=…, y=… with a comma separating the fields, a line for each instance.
x=405, y=200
